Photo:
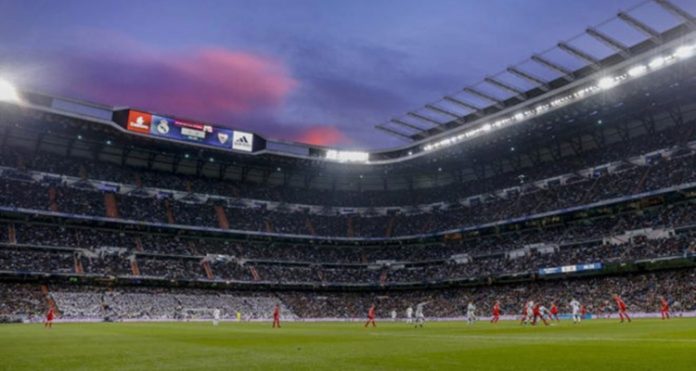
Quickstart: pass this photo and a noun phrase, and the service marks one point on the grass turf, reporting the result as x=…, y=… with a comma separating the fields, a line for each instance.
x=594, y=345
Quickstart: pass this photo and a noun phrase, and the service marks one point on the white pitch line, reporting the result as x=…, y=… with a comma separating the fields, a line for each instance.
x=503, y=337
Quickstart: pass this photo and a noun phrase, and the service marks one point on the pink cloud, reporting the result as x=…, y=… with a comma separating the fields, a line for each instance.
x=208, y=84
x=323, y=135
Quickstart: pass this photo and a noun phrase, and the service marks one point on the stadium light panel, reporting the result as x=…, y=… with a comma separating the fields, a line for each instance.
x=684, y=51
x=637, y=71
x=606, y=83
x=347, y=156
x=8, y=92
x=657, y=62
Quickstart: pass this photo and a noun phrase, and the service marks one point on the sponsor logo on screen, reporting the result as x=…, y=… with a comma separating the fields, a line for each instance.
x=139, y=122
x=242, y=141
x=187, y=131
x=162, y=127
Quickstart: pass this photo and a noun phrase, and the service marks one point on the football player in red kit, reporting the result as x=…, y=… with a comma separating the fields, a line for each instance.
x=371, y=317
x=664, y=308
x=537, y=314
x=496, y=312
x=554, y=312
x=49, y=317
x=276, y=316
x=621, y=306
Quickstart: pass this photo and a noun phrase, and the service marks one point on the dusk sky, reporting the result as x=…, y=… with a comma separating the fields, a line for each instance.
x=323, y=72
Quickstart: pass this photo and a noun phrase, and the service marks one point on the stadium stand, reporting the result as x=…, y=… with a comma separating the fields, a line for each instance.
x=590, y=196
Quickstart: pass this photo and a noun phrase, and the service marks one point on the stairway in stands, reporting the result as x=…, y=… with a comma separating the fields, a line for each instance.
x=79, y=269
x=222, y=220
x=170, y=212
x=110, y=205
x=383, y=277
x=135, y=270
x=11, y=234
x=49, y=300
x=390, y=226
x=52, y=196
x=643, y=178
x=310, y=226
x=428, y=225
x=208, y=270
x=586, y=196
x=351, y=231
x=139, y=244
x=254, y=273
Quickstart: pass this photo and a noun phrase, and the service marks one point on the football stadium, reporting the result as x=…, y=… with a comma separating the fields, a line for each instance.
x=541, y=218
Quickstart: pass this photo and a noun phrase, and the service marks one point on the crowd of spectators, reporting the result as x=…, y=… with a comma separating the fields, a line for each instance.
x=21, y=302
x=36, y=260
x=60, y=249
x=140, y=303
x=531, y=200
x=641, y=291
x=20, y=190
x=645, y=143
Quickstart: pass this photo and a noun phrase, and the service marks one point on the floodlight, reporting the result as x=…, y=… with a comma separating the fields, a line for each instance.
x=684, y=52
x=657, y=62
x=637, y=71
x=8, y=92
x=606, y=83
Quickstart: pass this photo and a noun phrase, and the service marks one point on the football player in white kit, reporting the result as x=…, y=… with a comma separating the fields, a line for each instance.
x=575, y=306
x=528, y=316
x=393, y=315
x=420, y=318
x=409, y=314
x=216, y=316
x=470, y=313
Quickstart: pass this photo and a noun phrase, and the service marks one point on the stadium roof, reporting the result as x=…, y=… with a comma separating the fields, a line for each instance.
x=631, y=32
x=619, y=50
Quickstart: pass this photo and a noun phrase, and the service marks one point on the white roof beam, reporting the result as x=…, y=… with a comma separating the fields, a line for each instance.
x=519, y=94
x=466, y=105
x=498, y=103
x=437, y=124
x=393, y=132
x=442, y=111
x=579, y=54
x=408, y=125
x=526, y=76
x=610, y=42
x=566, y=74
x=678, y=12
x=640, y=26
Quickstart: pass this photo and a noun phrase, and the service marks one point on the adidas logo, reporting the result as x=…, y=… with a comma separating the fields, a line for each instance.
x=242, y=141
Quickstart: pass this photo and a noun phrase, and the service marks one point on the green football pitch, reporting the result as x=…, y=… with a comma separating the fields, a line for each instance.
x=593, y=345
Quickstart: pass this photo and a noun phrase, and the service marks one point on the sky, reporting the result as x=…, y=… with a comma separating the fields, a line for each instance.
x=319, y=72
